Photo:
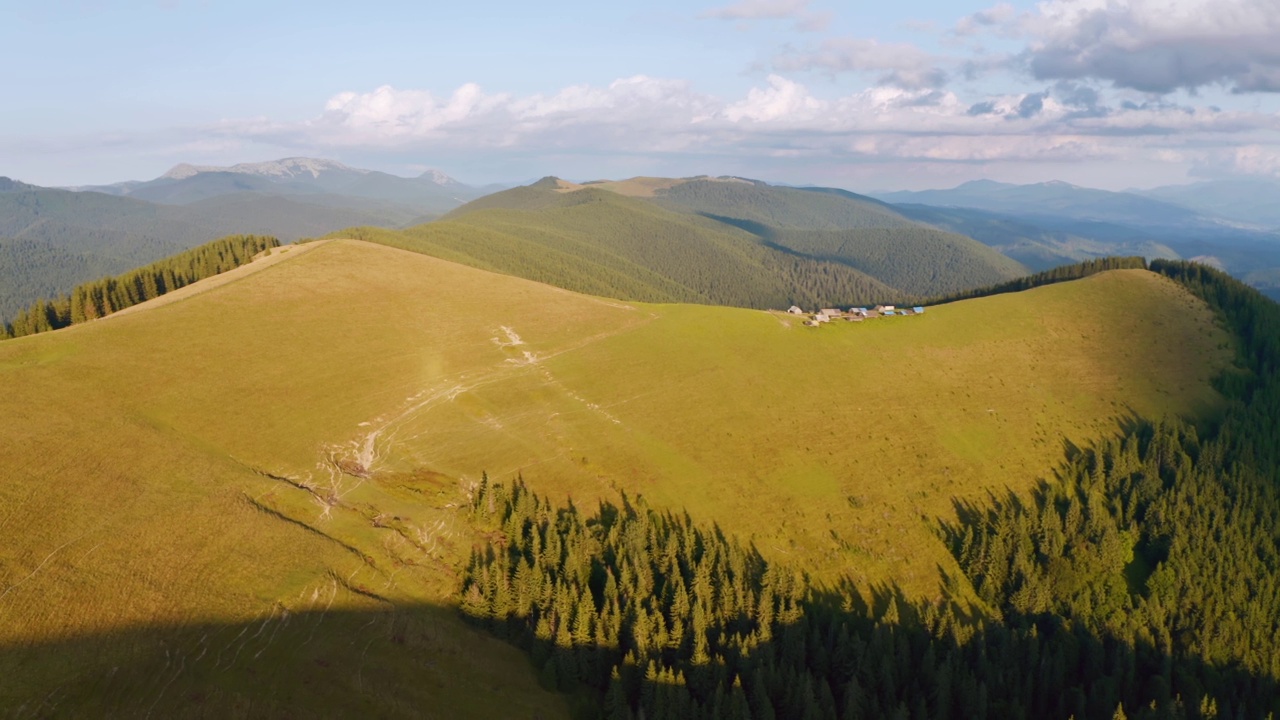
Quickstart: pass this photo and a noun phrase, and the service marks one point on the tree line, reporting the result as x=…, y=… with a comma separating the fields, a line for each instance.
x=100, y=298
x=1063, y=273
x=1144, y=582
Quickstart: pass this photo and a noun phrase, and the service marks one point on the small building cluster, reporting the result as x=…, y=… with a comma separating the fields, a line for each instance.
x=857, y=314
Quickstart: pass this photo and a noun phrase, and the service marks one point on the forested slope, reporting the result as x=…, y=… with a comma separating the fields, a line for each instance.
x=779, y=207
x=920, y=260
x=603, y=243
x=718, y=241
x=847, y=228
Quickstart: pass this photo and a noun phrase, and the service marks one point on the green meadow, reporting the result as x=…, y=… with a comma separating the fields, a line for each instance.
x=211, y=486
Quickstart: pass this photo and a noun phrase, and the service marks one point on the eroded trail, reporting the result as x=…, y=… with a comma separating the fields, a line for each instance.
x=364, y=454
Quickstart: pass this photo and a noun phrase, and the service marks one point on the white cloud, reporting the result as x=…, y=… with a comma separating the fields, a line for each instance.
x=780, y=120
x=666, y=126
x=630, y=113
x=782, y=100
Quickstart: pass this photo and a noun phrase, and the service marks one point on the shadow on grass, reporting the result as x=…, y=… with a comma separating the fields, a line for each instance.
x=851, y=654
x=854, y=656
x=418, y=661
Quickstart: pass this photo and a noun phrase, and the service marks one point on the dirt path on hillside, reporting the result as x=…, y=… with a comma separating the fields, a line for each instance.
x=380, y=434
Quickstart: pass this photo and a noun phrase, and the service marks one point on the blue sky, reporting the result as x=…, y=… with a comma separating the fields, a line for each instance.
x=916, y=93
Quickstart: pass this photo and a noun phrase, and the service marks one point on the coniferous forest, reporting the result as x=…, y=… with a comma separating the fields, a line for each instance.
x=100, y=298
x=1143, y=582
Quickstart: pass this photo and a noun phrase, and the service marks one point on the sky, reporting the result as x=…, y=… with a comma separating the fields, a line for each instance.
x=863, y=95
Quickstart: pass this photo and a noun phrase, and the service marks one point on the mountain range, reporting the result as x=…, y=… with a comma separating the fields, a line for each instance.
x=1227, y=224
x=54, y=238
x=310, y=180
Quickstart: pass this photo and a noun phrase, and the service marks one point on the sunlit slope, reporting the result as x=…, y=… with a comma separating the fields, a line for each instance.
x=835, y=444
x=297, y=439
x=133, y=494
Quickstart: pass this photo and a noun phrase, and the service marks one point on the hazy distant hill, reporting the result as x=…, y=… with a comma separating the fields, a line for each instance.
x=1036, y=246
x=317, y=181
x=1050, y=198
x=1255, y=201
x=51, y=240
x=709, y=240
x=1050, y=223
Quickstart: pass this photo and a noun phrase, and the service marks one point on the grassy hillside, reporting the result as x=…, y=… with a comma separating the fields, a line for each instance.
x=227, y=495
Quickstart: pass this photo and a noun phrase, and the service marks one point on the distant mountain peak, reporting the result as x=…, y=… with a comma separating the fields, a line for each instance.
x=438, y=177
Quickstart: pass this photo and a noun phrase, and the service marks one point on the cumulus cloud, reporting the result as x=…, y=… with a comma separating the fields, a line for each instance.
x=630, y=113
x=797, y=10
x=781, y=120
x=1156, y=46
x=897, y=64
x=783, y=99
